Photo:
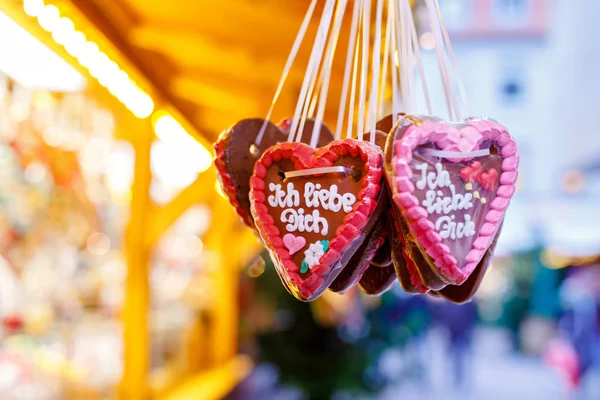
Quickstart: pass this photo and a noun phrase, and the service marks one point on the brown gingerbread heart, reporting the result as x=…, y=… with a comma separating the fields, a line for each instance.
x=357, y=265
x=236, y=153
x=361, y=260
x=377, y=280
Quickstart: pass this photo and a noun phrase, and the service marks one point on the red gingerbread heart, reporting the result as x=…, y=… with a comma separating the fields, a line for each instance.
x=328, y=196
x=451, y=211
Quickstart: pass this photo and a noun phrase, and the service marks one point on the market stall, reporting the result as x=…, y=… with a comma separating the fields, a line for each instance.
x=108, y=246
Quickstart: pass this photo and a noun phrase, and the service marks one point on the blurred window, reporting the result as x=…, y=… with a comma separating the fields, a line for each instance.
x=512, y=84
x=511, y=13
x=458, y=14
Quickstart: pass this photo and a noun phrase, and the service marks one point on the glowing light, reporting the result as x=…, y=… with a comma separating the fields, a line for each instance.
x=35, y=173
x=48, y=18
x=33, y=7
x=173, y=134
x=396, y=58
x=63, y=29
x=23, y=54
x=427, y=40
x=98, y=65
x=89, y=52
x=142, y=105
x=89, y=55
x=109, y=75
x=98, y=244
x=75, y=43
x=53, y=136
x=573, y=182
x=219, y=189
x=118, y=170
x=256, y=267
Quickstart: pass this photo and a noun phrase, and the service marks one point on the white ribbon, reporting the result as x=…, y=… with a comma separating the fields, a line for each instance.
x=317, y=171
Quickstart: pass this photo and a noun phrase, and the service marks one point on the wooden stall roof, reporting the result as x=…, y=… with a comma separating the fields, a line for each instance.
x=217, y=61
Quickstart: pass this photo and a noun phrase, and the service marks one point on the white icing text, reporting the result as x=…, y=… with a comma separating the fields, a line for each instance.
x=314, y=196
x=436, y=202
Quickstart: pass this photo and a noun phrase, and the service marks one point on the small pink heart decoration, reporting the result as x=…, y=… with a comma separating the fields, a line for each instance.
x=452, y=183
x=293, y=243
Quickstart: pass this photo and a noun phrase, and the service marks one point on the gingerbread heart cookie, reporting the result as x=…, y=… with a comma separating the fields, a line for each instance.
x=326, y=196
x=465, y=292
x=361, y=260
x=451, y=184
x=377, y=280
x=359, y=263
x=236, y=152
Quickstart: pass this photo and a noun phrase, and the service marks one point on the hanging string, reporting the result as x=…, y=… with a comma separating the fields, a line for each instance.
x=458, y=80
x=386, y=60
x=401, y=59
x=353, y=92
x=313, y=64
x=451, y=102
x=410, y=58
x=288, y=66
x=419, y=60
x=339, y=15
x=366, y=34
x=322, y=71
x=311, y=72
x=315, y=97
x=404, y=67
x=372, y=117
x=393, y=60
x=351, y=50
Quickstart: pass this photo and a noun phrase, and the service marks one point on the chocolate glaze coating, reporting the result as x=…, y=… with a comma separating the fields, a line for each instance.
x=377, y=280
x=383, y=257
x=235, y=145
x=360, y=261
x=398, y=259
x=386, y=124
x=237, y=149
x=356, y=266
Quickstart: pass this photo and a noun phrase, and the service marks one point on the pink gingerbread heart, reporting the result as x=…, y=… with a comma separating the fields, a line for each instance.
x=293, y=243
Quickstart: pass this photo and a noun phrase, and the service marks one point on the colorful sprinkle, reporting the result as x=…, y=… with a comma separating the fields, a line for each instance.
x=304, y=267
x=476, y=194
x=483, y=200
x=469, y=186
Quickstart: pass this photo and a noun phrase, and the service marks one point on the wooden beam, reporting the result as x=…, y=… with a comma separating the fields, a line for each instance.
x=161, y=218
x=236, y=21
x=198, y=51
x=134, y=383
x=220, y=95
x=213, y=384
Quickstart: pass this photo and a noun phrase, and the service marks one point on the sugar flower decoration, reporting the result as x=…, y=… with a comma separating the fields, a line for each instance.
x=313, y=254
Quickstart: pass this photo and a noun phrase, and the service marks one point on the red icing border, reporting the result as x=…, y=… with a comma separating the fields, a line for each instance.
x=225, y=179
x=447, y=137
x=304, y=157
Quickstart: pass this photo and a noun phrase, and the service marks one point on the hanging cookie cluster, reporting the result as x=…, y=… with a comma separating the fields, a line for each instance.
x=402, y=196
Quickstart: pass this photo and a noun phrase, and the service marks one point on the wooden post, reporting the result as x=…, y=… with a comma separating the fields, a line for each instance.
x=134, y=383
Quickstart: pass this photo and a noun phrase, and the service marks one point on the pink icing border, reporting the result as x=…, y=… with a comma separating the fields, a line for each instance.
x=304, y=157
x=447, y=137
